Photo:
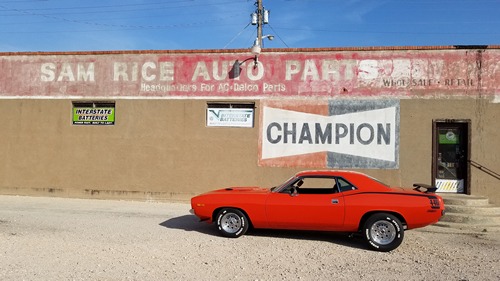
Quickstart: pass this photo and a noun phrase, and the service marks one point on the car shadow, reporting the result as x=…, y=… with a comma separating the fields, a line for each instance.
x=339, y=238
x=192, y=223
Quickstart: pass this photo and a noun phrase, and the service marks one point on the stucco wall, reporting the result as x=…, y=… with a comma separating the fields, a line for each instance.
x=162, y=149
x=416, y=140
x=155, y=146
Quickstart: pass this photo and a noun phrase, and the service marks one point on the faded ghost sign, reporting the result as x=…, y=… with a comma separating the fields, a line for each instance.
x=339, y=134
x=336, y=73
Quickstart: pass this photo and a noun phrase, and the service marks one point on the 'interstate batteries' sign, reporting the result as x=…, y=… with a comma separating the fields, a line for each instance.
x=230, y=117
x=93, y=115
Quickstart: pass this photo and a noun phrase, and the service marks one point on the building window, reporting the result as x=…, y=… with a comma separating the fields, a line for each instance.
x=93, y=113
x=224, y=114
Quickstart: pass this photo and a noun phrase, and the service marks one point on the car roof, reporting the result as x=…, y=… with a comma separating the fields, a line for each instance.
x=328, y=173
x=360, y=180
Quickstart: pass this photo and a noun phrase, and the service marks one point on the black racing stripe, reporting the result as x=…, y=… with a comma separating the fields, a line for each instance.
x=393, y=193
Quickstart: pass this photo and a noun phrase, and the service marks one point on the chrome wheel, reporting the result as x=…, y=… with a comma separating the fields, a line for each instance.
x=383, y=232
x=230, y=222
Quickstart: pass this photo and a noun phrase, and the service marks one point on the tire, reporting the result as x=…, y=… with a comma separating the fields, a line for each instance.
x=232, y=223
x=383, y=232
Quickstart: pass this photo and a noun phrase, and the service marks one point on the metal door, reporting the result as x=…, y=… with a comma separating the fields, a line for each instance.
x=451, y=152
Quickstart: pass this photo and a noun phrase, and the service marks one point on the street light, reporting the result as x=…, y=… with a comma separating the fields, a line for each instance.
x=255, y=50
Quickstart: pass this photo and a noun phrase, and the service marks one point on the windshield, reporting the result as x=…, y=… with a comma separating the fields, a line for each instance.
x=286, y=183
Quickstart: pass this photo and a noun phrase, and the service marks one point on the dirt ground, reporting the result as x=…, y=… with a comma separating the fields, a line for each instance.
x=74, y=239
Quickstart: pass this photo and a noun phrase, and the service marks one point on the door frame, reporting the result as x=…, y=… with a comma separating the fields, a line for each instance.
x=467, y=123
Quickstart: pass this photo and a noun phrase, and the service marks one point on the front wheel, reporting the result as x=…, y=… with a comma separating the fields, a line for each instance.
x=232, y=222
x=383, y=232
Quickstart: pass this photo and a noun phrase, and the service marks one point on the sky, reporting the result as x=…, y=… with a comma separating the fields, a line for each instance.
x=97, y=25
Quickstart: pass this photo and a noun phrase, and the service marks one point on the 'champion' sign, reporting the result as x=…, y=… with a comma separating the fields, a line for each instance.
x=354, y=134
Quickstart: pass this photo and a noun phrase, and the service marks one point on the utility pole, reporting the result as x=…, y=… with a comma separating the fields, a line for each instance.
x=260, y=15
x=259, y=18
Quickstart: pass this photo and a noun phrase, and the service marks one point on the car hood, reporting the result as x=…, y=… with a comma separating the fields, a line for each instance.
x=238, y=189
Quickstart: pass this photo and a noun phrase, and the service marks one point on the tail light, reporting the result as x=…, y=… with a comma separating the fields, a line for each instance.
x=434, y=201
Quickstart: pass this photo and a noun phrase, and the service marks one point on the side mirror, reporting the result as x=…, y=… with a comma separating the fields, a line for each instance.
x=293, y=191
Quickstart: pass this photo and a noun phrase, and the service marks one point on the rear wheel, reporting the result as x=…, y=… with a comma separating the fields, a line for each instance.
x=383, y=232
x=232, y=222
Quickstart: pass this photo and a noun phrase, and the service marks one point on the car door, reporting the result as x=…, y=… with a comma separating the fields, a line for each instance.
x=316, y=205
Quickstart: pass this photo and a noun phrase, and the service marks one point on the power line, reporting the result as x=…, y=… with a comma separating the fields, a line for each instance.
x=82, y=10
x=237, y=35
x=124, y=26
x=278, y=36
x=390, y=32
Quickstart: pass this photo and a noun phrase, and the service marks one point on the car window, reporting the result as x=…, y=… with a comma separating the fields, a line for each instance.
x=316, y=185
x=344, y=185
x=384, y=184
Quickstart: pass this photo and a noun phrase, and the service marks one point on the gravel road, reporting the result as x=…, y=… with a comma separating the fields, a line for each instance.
x=74, y=239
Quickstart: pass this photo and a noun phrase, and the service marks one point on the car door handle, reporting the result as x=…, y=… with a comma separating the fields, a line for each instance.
x=335, y=201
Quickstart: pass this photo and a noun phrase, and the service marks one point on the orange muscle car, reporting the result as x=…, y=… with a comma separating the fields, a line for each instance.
x=341, y=201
